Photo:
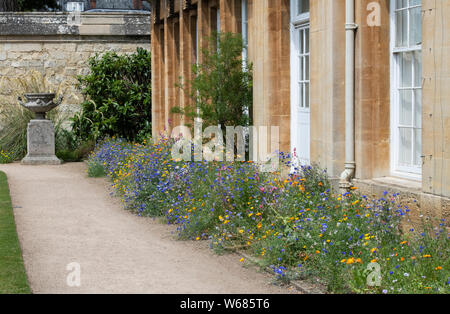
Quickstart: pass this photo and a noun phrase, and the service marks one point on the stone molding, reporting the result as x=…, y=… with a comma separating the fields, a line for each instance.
x=92, y=24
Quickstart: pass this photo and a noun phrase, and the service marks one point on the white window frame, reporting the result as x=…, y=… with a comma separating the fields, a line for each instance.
x=409, y=172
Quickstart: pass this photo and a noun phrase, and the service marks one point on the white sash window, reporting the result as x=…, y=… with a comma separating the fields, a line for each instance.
x=406, y=88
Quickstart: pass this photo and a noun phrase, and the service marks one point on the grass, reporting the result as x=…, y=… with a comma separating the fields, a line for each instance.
x=13, y=279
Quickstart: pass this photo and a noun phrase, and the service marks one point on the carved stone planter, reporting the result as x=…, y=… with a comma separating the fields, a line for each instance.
x=40, y=131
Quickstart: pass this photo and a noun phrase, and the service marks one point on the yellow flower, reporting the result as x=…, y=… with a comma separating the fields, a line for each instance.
x=242, y=260
x=241, y=231
x=427, y=255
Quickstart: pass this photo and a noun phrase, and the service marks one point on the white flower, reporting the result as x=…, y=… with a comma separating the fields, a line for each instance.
x=406, y=274
x=385, y=291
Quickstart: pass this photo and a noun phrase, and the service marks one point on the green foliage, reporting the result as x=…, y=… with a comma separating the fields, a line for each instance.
x=13, y=278
x=222, y=86
x=70, y=149
x=13, y=138
x=118, y=89
x=96, y=168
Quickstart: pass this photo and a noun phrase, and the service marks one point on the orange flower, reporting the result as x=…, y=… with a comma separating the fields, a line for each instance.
x=438, y=268
x=350, y=260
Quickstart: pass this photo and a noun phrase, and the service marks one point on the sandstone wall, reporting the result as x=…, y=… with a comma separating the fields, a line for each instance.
x=47, y=44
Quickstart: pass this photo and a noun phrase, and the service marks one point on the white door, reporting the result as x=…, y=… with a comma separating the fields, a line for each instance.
x=300, y=91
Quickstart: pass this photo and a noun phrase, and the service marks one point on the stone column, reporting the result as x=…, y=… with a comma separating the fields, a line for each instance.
x=435, y=98
x=327, y=44
x=269, y=50
x=372, y=88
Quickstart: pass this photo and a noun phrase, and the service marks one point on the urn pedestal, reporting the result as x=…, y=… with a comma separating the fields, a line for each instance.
x=41, y=144
x=40, y=131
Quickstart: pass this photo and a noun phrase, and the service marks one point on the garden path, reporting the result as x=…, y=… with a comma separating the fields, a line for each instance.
x=64, y=217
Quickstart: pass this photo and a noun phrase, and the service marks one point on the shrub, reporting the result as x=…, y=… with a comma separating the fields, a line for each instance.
x=293, y=224
x=118, y=91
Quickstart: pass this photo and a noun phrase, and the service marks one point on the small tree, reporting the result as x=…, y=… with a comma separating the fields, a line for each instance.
x=221, y=89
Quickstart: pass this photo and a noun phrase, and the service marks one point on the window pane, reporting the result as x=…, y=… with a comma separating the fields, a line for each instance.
x=405, y=146
x=307, y=68
x=402, y=28
x=303, y=6
x=406, y=69
x=300, y=69
x=418, y=69
x=307, y=40
x=401, y=3
x=300, y=88
x=415, y=24
x=406, y=107
x=301, y=40
x=418, y=108
x=417, y=147
x=306, y=95
x=414, y=2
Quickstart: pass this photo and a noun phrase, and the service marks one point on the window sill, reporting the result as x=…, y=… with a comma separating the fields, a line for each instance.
x=395, y=182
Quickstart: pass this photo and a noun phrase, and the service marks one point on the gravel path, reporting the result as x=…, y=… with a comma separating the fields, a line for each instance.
x=64, y=217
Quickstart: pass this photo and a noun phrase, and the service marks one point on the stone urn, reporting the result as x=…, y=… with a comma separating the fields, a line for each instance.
x=40, y=131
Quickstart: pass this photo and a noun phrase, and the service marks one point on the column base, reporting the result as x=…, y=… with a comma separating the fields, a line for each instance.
x=41, y=160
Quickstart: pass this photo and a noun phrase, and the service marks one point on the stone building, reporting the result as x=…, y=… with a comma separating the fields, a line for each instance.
x=357, y=86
